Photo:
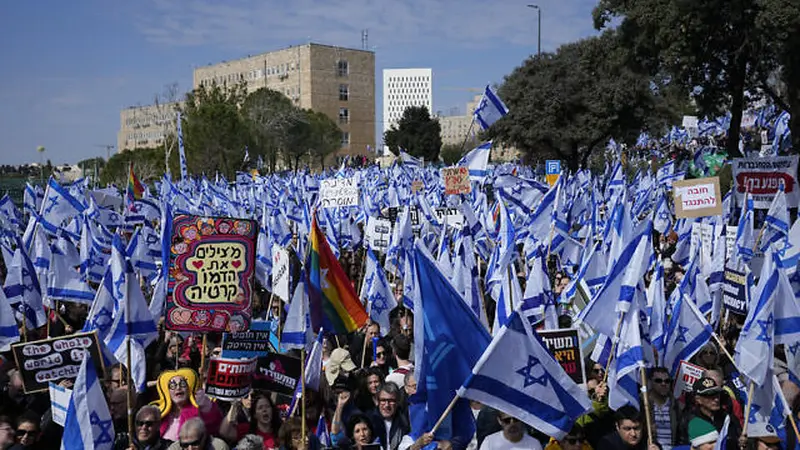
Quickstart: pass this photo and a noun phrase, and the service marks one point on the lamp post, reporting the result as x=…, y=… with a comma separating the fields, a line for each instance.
x=539, y=41
x=40, y=150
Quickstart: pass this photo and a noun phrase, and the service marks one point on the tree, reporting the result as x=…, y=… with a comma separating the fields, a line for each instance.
x=568, y=104
x=270, y=116
x=215, y=133
x=326, y=136
x=165, y=104
x=708, y=47
x=148, y=165
x=416, y=133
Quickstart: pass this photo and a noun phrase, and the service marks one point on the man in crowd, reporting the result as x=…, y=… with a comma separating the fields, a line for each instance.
x=401, y=345
x=707, y=407
x=193, y=436
x=147, y=431
x=664, y=409
x=390, y=426
x=513, y=436
x=629, y=432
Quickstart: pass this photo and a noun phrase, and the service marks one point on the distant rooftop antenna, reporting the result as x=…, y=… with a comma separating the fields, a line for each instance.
x=365, y=39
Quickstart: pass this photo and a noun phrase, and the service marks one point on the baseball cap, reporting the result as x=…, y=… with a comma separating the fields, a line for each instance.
x=706, y=386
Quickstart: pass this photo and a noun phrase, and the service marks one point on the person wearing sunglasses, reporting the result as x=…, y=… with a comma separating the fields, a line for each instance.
x=629, y=432
x=707, y=406
x=663, y=409
x=179, y=400
x=28, y=433
x=193, y=436
x=513, y=436
x=574, y=440
x=147, y=433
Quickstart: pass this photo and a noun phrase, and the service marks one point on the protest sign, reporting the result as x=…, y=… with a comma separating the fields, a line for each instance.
x=277, y=373
x=552, y=171
x=699, y=197
x=59, y=403
x=703, y=236
x=453, y=216
x=55, y=359
x=565, y=346
x=212, y=261
x=734, y=296
x=378, y=233
x=254, y=342
x=280, y=272
x=229, y=379
x=688, y=373
x=691, y=125
x=338, y=192
x=456, y=180
x=762, y=177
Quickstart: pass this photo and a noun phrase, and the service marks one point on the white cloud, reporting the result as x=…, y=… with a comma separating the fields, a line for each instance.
x=254, y=24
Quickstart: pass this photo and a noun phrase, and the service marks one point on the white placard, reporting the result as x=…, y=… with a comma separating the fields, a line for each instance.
x=762, y=177
x=59, y=402
x=688, y=373
x=338, y=192
x=378, y=233
x=280, y=272
x=702, y=234
x=453, y=216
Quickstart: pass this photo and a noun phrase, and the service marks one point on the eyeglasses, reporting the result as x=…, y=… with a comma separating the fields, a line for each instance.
x=195, y=443
x=573, y=440
x=380, y=354
x=177, y=384
x=598, y=370
x=661, y=380
x=21, y=433
x=387, y=400
x=145, y=423
x=508, y=420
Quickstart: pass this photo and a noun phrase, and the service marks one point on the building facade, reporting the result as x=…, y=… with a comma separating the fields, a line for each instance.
x=338, y=82
x=456, y=129
x=403, y=88
x=146, y=126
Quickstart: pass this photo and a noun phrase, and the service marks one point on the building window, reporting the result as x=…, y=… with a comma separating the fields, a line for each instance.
x=344, y=92
x=342, y=68
x=345, y=139
x=344, y=115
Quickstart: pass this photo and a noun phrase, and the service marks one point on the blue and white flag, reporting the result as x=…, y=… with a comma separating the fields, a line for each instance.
x=476, y=161
x=22, y=287
x=181, y=151
x=518, y=376
x=623, y=375
x=88, y=423
x=687, y=332
x=296, y=330
x=322, y=433
x=377, y=293
x=59, y=205
x=490, y=109
x=9, y=331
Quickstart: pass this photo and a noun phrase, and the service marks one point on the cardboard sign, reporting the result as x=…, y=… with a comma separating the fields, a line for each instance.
x=552, y=171
x=277, y=373
x=280, y=272
x=762, y=177
x=55, y=359
x=378, y=233
x=252, y=343
x=338, y=192
x=734, y=296
x=452, y=216
x=688, y=373
x=229, y=379
x=417, y=185
x=456, y=180
x=703, y=236
x=697, y=198
x=691, y=125
x=565, y=346
x=212, y=262
x=59, y=403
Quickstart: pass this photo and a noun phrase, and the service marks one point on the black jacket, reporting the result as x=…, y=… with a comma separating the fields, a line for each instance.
x=400, y=428
x=734, y=428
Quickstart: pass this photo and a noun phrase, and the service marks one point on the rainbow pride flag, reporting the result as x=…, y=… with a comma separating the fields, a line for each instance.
x=333, y=302
x=134, y=190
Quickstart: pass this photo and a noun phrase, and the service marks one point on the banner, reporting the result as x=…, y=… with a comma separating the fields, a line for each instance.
x=280, y=272
x=59, y=402
x=338, y=192
x=378, y=233
x=212, y=261
x=277, y=373
x=456, y=180
x=699, y=197
x=734, y=296
x=565, y=346
x=252, y=343
x=552, y=171
x=229, y=379
x=703, y=236
x=55, y=359
x=453, y=216
x=762, y=177
x=688, y=373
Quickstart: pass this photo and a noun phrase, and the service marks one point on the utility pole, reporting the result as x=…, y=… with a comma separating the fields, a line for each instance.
x=539, y=41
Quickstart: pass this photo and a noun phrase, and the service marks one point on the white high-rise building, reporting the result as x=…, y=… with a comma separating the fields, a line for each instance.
x=403, y=88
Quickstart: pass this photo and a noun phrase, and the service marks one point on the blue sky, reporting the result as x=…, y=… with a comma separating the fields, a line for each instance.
x=69, y=67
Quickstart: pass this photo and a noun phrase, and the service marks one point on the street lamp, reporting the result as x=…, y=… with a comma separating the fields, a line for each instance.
x=539, y=42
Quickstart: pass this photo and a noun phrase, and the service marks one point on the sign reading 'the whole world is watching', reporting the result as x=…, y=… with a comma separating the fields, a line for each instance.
x=212, y=262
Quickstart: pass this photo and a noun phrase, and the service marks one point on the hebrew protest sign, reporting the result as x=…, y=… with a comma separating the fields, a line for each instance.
x=280, y=272
x=456, y=180
x=338, y=192
x=55, y=359
x=212, y=261
x=688, y=373
x=277, y=373
x=254, y=342
x=699, y=197
x=762, y=177
x=565, y=346
x=378, y=233
x=734, y=295
x=229, y=379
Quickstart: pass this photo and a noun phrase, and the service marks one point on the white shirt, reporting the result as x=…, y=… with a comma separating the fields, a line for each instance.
x=497, y=441
x=400, y=378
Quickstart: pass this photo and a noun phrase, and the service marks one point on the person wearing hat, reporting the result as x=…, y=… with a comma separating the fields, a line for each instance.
x=707, y=407
x=702, y=434
x=338, y=363
x=762, y=436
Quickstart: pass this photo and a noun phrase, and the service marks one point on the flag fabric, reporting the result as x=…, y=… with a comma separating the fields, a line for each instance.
x=135, y=189
x=333, y=302
x=518, y=376
x=322, y=433
x=88, y=423
x=296, y=330
x=377, y=293
x=623, y=375
x=476, y=161
x=490, y=109
x=9, y=332
x=181, y=151
x=687, y=332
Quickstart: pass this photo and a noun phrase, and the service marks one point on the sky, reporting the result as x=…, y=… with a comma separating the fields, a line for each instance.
x=68, y=68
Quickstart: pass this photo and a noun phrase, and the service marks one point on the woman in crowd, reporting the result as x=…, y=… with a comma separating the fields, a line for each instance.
x=371, y=383
x=291, y=437
x=264, y=421
x=180, y=400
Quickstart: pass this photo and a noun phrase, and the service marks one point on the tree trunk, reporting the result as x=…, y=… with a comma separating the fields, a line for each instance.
x=791, y=72
x=737, y=105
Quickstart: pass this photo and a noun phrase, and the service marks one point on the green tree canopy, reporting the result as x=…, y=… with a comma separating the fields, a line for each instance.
x=417, y=133
x=148, y=165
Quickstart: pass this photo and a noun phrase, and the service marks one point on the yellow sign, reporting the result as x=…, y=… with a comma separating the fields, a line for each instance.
x=217, y=268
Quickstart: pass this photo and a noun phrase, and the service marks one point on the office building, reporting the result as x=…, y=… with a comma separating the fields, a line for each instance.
x=146, y=126
x=403, y=88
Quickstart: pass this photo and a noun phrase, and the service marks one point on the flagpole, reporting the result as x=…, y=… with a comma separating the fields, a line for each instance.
x=128, y=362
x=613, y=347
x=747, y=408
x=646, y=407
x=303, y=393
x=445, y=414
x=469, y=132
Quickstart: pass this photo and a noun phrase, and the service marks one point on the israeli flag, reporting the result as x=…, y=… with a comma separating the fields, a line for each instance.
x=9, y=332
x=377, y=292
x=687, y=332
x=296, y=330
x=518, y=376
x=181, y=152
x=88, y=423
x=490, y=109
x=476, y=161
